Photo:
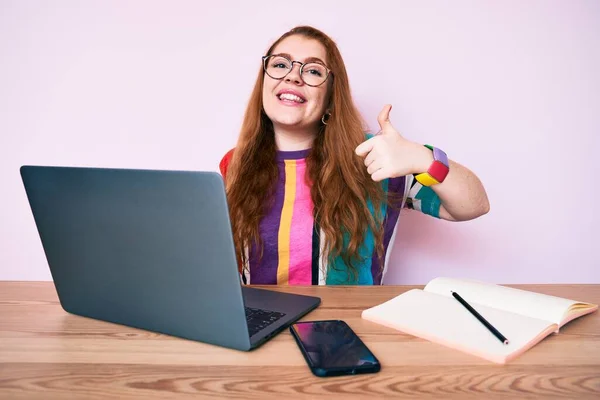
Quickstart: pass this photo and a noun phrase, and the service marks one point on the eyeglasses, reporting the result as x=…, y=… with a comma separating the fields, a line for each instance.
x=312, y=73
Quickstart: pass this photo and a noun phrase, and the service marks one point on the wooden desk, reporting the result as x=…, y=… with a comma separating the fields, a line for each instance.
x=46, y=353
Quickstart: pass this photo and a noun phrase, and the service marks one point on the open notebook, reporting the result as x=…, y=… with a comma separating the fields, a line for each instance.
x=525, y=318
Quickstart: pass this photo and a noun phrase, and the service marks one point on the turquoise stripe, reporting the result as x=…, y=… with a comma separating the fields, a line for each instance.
x=337, y=273
x=430, y=201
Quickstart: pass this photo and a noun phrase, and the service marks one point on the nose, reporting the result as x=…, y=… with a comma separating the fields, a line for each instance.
x=294, y=74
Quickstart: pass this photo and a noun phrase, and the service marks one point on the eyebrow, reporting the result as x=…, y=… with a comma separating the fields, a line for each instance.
x=306, y=60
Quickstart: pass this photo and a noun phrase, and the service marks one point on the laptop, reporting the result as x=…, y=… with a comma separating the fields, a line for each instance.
x=153, y=250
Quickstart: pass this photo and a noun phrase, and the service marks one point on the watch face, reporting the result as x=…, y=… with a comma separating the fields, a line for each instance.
x=438, y=171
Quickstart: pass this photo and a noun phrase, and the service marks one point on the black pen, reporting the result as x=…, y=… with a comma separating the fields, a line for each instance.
x=479, y=317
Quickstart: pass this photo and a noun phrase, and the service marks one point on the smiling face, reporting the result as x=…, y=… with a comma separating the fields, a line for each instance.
x=289, y=102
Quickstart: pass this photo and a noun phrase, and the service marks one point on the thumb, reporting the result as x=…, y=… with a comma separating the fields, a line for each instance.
x=384, y=117
x=365, y=147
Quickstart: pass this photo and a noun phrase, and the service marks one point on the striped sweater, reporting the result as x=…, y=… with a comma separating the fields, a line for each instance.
x=293, y=241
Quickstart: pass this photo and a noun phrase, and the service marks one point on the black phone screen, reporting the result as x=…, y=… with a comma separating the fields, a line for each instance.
x=332, y=348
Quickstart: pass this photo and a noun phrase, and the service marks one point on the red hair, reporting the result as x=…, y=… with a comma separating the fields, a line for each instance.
x=340, y=184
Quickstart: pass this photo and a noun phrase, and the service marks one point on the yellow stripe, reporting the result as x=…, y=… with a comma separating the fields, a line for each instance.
x=285, y=224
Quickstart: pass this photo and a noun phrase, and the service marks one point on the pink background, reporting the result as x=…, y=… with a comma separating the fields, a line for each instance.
x=511, y=89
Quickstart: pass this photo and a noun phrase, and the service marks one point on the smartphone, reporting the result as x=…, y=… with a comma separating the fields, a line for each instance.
x=331, y=348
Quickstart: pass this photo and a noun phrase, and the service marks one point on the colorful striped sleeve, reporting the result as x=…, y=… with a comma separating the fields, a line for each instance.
x=224, y=163
x=421, y=198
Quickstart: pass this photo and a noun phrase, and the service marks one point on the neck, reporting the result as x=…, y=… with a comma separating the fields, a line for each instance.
x=290, y=139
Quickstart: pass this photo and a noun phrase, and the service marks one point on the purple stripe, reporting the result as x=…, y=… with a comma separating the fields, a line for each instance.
x=396, y=186
x=292, y=155
x=265, y=271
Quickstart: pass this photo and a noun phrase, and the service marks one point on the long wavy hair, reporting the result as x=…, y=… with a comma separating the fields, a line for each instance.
x=341, y=188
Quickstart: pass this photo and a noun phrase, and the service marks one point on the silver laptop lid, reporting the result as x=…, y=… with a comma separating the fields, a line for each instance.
x=145, y=248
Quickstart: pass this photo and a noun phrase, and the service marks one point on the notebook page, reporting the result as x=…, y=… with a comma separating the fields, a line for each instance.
x=536, y=305
x=444, y=320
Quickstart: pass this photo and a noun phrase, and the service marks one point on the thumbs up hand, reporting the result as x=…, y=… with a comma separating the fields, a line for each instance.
x=389, y=155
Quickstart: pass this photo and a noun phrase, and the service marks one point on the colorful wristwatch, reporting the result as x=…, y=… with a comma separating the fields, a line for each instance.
x=438, y=170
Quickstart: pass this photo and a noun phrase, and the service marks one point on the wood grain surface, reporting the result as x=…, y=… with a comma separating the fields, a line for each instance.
x=46, y=353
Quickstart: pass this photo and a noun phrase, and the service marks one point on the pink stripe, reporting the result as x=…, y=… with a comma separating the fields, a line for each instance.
x=301, y=232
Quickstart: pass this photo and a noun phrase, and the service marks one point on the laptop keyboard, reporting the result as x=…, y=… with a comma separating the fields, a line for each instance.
x=258, y=319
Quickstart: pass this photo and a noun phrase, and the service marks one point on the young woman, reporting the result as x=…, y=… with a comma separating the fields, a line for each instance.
x=314, y=199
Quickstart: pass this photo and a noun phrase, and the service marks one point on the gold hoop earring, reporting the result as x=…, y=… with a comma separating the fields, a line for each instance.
x=323, y=119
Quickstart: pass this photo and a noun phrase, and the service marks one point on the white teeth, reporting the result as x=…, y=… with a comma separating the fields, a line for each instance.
x=291, y=97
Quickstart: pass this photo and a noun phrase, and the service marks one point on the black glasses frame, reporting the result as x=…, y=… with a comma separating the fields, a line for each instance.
x=265, y=58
